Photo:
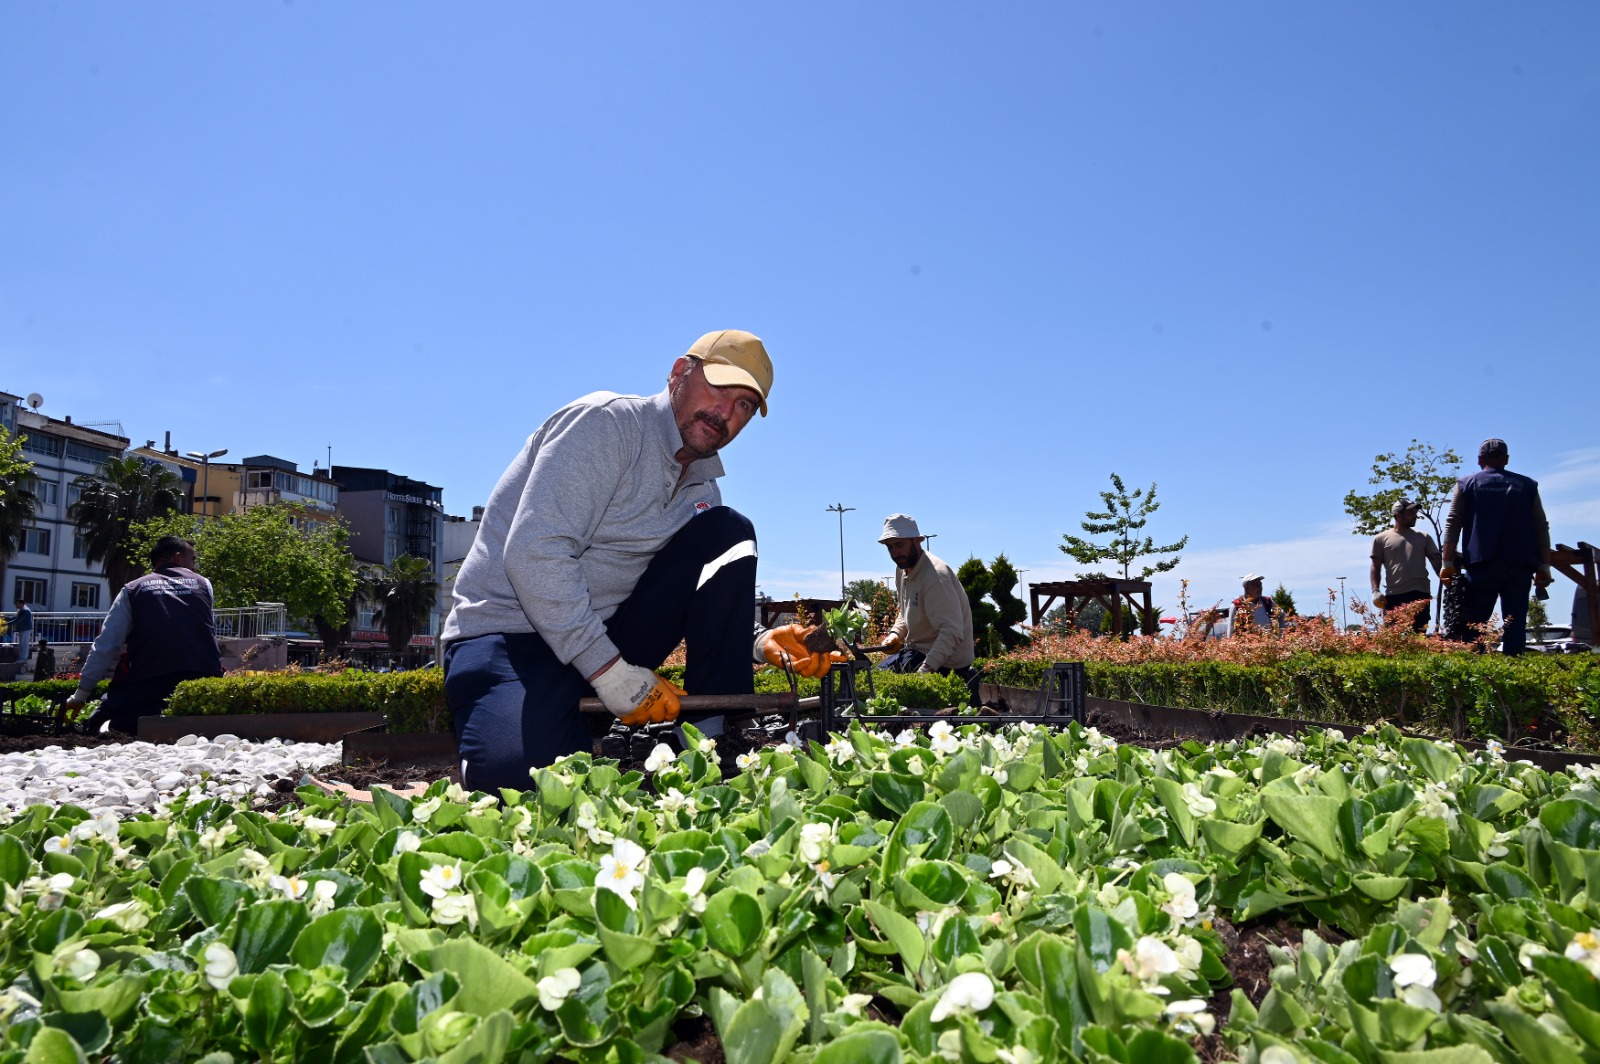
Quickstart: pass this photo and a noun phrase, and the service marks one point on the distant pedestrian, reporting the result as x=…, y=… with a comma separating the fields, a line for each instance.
x=44, y=663
x=1253, y=609
x=1504, y=543
x=22, y=630
x=1400, y=559
x=164, y=619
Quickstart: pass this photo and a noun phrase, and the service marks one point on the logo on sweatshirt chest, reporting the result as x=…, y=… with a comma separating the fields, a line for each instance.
x=916, y=598
x=699, y=506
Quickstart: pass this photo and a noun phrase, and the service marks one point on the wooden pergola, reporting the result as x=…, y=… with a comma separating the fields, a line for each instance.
x=1112, y=594
x=1578, y=565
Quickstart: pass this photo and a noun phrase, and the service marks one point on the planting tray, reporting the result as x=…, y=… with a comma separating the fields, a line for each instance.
x=298, y=727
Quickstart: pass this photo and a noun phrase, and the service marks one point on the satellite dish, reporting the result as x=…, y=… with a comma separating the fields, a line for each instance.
x=35, y=400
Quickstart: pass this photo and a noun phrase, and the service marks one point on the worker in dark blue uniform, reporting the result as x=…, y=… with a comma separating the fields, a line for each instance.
x=1504, y=543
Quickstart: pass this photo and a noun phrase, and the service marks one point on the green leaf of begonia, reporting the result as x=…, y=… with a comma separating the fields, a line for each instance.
x=901, y=931
x=1437, y=763
x=876, y=1046
x=13, y=860
x=51, y=1045
x=350, y=938
x=734, y=922
x=488, y=982
x=214, y=900
x=1310, y=818
x=266, y=1011
x=90, y=1030
x=266, y=931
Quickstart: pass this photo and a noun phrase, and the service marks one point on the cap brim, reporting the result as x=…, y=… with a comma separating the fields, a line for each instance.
x=725, y=376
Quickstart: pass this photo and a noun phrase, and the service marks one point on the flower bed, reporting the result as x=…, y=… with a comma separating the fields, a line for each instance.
x=964, y=895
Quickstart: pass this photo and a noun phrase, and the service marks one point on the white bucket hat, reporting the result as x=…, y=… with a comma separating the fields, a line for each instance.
x=899, y=526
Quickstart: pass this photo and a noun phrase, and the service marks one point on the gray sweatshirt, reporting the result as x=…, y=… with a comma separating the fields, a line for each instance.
x=574, y=522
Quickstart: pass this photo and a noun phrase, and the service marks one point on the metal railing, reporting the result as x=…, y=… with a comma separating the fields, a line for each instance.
x=264, y=620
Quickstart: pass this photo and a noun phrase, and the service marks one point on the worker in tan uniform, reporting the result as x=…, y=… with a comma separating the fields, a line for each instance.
x=933, y=632
x=1401, y=556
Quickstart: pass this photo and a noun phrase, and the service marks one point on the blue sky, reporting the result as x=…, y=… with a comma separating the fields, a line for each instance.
x=996, y=251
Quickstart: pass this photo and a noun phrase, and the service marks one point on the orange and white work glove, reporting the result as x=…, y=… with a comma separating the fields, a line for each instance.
x=892, y=642
x=636, y=695
x=789, y=639
x=1379, y=599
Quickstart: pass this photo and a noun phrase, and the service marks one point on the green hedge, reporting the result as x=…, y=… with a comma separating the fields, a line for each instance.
x=413, y=701
x=1462, y=695
x=54, y=690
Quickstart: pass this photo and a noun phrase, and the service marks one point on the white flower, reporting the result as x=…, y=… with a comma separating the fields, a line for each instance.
x=454, y=793
x=840, y=750
x=1014, y=872
x=1497, y=845
x=748, y=762
x=440, y=880
x=1150, y=960
x=221, y=965
x=942, y=738
x=255, y=868
x=854, y=1004
x=128, y=915
x=969, y=992
x=1190, y=1016
x=1527, y=951
x=1199, y=804
x=708, y=747
x=407, y=842
x=694, y=885
x=423, y=812
x=318, y=827
x=292, y=887
x=213, y=839
x=673, y=801
x=1585, y=949
x=759, y=848
x=1182, y=905
x=58, y=844
x=1190, y=954
x=1080, y=764
x=998, y=774
x=80, y=964
x=1287, y=747
x=453, y=908
x=322, y=893
x=1017, y=1054
x=1495, y=749
x=815, y=840
x=557, y=987
x=659, y=758
x=1334, y=734
x=906, y=738
x=784, y=748
x=1413, y=969
x=622, y=870
x=103, y=826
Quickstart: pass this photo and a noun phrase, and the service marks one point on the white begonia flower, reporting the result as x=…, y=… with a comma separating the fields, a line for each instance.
x=423, y=812
x=213, y=839
x=454, y=793
x=815, y=841
x=1413, y=969
x=1497, y=845
x=1585, y=949
x=694, y=886
x=131, y=915
x=784, y=748
x=1495, y=749
x=255, y=868
x=622, y=870
x=748, y=762
x=661, y=757
x=319, y=827
x=291, y=887
x=839, y=750
x=1307, y=775
x=1017, y=1054
x=1080, y=764
x=1527, y=951
x=906, y=738
x=58, y=844
x=1013, y=872
x=998, y=774
x=221, y=965
x=942, y=738
x=708, y=747
x=1108, y=896
x=322, y=895
x=440, y=880
x=103, y=826
x=80, y=964
x=854, y=1004
x=1150, y=960
x=1190, y=954
x=557, y=987
x=1198, y=804
x=407, y=842
x=1191, y=1017
x=453, y=908
x=1334, y=734
x=1182, y=905
x=1286, y=746
x=966, y=993
x=673, y=801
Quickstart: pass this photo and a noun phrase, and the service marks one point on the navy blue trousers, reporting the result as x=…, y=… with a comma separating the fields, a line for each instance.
x=1508, y=586
x=515, y=705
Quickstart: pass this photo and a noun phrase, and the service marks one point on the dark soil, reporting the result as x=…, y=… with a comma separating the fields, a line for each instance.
x=11, y=744
x=818, y=641
x=393, y=774
x=697, y=1041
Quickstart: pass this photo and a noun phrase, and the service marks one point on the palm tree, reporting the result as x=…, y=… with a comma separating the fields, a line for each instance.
x=123, y=493
x=18, y=503
x=404, y=593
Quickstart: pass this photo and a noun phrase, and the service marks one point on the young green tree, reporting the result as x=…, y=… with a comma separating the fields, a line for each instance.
x=863, y=590
x=996, y=610
x=111, y=501
x=1284, y=601
x=18, y=503
x=403, y=593
x=271, y=553
x=1424, y=474
x=1124, y=515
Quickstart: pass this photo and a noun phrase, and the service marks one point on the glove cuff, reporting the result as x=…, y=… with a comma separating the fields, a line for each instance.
x=622, y=687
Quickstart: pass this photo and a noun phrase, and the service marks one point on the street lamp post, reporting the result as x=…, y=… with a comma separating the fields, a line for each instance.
x=841, y=509
x=205, y=472
x=1344, y=617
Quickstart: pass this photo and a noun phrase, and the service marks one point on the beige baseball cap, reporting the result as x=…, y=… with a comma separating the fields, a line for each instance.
x=734, y=358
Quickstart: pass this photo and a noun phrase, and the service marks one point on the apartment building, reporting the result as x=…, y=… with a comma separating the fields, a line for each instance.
x=268, y=480
x=389, y=515
x=50, y=571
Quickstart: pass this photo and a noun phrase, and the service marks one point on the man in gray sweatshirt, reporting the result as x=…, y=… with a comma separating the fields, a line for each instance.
x=604, y=545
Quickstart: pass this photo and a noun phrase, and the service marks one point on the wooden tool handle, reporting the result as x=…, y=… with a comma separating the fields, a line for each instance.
x=779, y=703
